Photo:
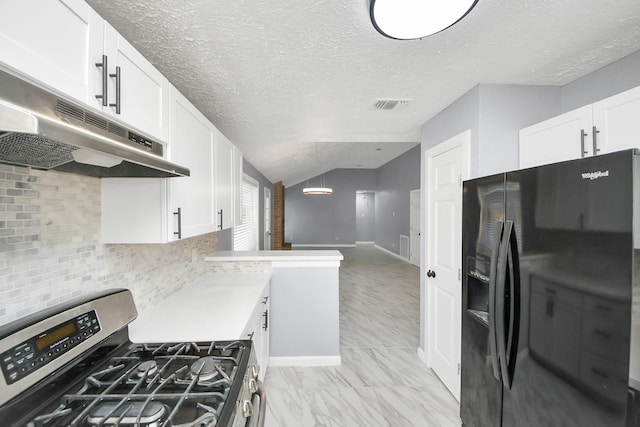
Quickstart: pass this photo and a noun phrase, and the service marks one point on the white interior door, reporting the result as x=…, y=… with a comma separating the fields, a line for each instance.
x=414, y=227
x=267, y=219
x=446, y=166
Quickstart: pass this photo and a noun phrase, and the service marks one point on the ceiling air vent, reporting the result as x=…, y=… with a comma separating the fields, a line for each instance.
x=391, y=104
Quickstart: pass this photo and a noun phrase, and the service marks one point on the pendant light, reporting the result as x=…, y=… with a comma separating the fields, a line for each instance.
x=415, y=19
x=318, y=191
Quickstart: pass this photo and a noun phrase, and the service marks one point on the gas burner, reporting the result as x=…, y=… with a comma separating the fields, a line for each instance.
x=148, y=414
x=206, y=368
x=148, y=368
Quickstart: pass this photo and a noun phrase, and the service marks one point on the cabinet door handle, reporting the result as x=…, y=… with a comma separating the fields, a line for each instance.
x=595, y=133
x=179, y=232
x=265, y=326
x=264, y=301
x=118, y=80
x=220, y=213
x=105, y=77
x=250, y=335
x=603, y=334
x=583, y=135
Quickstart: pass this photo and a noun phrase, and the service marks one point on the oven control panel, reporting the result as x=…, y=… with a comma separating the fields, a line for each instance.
x=34, y=353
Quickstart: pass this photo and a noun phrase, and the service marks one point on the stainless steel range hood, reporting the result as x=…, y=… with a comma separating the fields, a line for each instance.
x=45, y=131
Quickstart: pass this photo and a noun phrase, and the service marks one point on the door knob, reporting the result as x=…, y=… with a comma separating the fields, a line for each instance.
x=431, y=273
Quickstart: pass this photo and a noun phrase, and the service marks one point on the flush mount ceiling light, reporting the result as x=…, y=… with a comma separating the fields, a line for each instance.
x=415, y=19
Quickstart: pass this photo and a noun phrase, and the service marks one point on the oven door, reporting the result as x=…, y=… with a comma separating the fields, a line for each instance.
x=252, y=405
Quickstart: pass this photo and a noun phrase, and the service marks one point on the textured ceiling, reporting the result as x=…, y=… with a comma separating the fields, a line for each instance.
x=293, y=83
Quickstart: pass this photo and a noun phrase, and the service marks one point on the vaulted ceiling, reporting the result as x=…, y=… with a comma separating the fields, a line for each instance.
x=294, y=83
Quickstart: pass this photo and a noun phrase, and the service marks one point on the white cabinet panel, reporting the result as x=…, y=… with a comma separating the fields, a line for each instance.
x=224, y=181
x=237, y=186
x=192, y=145
x=134, y=210
x=144, y=91
x=615, y=119
x=598, y=128
x=138, y=210
x=556, y=139
x=52, y=42
x=257, y=330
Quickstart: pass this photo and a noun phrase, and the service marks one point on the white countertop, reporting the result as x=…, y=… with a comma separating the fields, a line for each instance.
x=215, y=307
x=293, y=255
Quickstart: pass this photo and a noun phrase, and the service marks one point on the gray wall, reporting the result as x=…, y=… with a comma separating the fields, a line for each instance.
x=494, y=114
x=331, y=220
x=366, y=217
x=607, y=81
x=326, y=220
x=395, y=180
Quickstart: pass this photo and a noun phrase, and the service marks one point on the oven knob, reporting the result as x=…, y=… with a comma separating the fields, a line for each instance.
x=253, y=385
x=255, y=370
x=247, y=409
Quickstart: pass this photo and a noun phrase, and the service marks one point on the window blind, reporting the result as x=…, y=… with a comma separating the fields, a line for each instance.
x=245, y=235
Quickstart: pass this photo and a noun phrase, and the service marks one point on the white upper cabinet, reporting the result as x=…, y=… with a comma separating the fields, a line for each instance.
x=224, y=166
x=615, y=119
x=237, y=186
x=598, y=128
x=52, y=42
x=63, y=44
x=137, y=93
x=557, y=139
x=192, y=142
x=160, y=210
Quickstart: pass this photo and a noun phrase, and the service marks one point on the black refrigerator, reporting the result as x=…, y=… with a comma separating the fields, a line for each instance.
x=551, y=295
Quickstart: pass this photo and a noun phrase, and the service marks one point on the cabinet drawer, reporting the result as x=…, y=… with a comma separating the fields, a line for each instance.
x=605, y=337
x=607, y=308
x=556, y=292
x=603, y=375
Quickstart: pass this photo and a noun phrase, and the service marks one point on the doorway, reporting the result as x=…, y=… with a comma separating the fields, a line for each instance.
x=267, y=219
x=365, y=217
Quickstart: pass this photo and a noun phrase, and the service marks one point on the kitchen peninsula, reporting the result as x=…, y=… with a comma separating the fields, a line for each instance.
x=304, y=301
x=287, y=302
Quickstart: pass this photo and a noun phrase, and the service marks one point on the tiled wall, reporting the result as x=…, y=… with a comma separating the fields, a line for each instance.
x=50, y=247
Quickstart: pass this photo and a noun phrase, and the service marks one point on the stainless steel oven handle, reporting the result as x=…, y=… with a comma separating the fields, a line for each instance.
x=262, y=394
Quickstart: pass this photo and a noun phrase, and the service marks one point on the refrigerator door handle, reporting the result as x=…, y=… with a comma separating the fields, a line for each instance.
x=509, y=353
x=500, y=296
x=493, y=346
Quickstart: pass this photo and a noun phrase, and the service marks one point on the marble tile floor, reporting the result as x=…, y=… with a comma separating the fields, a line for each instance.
x=381, y=381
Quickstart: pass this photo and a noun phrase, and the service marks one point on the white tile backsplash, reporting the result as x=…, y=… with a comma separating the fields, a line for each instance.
x=50, y=247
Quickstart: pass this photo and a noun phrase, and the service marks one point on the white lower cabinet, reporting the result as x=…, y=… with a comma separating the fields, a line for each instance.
x=257, y=330
x=602, y=127
x=159, y=210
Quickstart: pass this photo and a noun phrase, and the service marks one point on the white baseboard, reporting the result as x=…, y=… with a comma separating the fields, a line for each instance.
x=422, y=355
x=313, y=245
x=393, y=254
x=305, y=361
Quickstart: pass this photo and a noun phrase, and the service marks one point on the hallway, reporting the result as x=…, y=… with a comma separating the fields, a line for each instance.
x=381, y=381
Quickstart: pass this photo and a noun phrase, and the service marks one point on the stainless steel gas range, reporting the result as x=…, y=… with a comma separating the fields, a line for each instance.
x=73, y=365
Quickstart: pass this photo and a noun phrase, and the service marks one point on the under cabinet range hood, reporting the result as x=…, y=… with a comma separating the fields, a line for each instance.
x=42, y=130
